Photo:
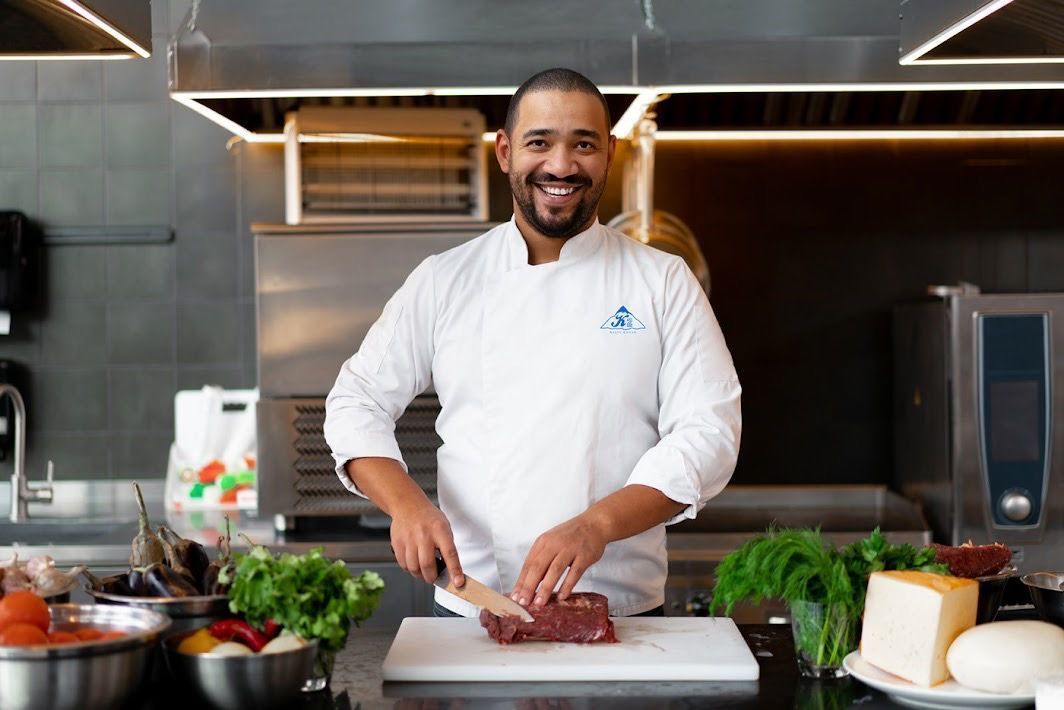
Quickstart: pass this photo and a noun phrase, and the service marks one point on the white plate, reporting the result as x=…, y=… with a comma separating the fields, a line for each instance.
x=947, y=696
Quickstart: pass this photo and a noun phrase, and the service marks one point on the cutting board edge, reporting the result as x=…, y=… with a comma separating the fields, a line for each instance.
x=446, y=674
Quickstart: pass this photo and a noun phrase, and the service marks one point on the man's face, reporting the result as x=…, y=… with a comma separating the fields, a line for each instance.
x=557, y=159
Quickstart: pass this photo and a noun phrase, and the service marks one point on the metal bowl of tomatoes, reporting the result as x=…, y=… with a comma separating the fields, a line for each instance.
x=84, y=656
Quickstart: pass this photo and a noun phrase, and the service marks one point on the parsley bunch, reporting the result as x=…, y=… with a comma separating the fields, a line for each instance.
x=875, y=554
x=307, y=594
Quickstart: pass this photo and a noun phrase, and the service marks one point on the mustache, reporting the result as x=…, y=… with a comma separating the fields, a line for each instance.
x=547, y=177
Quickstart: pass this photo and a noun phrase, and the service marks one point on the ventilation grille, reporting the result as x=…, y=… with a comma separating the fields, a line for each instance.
x=347, y=164
x=319, y=491
x=432, y=176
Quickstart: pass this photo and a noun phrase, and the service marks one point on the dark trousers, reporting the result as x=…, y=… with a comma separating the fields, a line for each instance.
x=444, y=612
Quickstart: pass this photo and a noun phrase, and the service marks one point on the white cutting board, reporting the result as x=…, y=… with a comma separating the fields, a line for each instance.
x=650, y=648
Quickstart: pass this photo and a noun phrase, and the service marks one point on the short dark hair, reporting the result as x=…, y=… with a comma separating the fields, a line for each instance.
x=557, y=79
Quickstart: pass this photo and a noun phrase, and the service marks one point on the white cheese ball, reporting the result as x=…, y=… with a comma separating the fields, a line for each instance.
x=1006, y=656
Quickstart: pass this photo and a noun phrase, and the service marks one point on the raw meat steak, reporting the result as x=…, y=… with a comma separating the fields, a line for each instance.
x=582, y=618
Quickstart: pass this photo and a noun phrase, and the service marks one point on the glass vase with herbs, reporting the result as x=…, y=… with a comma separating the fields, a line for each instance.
x=823, y=586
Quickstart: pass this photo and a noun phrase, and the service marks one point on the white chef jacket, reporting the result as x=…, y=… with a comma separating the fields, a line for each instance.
x=559, y=384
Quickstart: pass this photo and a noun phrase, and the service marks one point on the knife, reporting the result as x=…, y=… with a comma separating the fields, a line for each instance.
x=481, y=595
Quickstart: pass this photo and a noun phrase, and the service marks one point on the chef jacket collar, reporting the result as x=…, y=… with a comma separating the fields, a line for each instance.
x=576, y=247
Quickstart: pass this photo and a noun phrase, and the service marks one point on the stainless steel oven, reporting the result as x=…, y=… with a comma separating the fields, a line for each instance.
x=318, y=289
x=979, y=418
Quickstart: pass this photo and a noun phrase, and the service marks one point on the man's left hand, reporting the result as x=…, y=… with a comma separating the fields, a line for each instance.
x=574, y=545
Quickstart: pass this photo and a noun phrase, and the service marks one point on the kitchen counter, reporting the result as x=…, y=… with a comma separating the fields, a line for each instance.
x=92, y=522
x=357, y=683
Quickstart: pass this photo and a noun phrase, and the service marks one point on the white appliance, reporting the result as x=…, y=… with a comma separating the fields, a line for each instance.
x=346, y=164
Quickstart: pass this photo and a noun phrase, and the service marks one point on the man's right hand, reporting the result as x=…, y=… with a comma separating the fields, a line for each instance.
x=417, y=534
x=418, y=527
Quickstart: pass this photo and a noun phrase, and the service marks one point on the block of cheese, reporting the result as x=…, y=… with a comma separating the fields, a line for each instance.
x=910, y=620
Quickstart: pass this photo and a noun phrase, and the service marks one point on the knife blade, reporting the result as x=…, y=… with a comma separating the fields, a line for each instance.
x=480, y=595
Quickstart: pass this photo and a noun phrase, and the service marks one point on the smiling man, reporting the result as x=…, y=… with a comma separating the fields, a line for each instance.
x=587, y=395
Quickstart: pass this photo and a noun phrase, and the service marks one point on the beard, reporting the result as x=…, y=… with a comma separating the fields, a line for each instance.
x=554, y=221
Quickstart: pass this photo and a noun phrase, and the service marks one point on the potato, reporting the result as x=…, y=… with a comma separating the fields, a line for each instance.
x=230, y=648
x=1006, y=656
x=281, y=644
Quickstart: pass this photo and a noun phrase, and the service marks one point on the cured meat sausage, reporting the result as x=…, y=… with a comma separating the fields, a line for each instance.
x=972, y=561
x=581, y=618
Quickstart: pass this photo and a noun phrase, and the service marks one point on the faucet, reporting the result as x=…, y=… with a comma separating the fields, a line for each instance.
x=21, y=492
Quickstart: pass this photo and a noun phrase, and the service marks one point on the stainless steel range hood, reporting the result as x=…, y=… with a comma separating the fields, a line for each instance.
x=244, y=63
x=75, y=29
x=982, y=31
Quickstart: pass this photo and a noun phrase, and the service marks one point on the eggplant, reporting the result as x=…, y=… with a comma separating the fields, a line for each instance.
x=211, y=585
x=113, y=584
x=118, y=584
x=135, y=581
x=165, y=582
x=147, y=548
x=186, y=557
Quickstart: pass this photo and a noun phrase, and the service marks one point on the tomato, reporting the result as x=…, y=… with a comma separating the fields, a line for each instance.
x=23, y=607
x=21, y=634
x=115, y=634
x=58, y=637
x=88, y=634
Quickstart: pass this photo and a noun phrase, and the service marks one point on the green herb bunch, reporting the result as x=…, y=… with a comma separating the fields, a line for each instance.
x=794, y=565
x=875, y=554
x=798, y=565
x=309, y=595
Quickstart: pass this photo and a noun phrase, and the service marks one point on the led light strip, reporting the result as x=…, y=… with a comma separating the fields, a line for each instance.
x=369, y=91
x=626, y=124
x=227, y=123
x=853, y=86
x=191, y=99
x=67, y=57
x=852, y=134
x=644, y=98
x=106, y=26
x=993, y=60
x=913, y=56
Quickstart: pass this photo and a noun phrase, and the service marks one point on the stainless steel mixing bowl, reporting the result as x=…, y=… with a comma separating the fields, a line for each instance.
x=261, y=680
x=185, y=612
x=991, y=591
x=90, y=674
x=1047, y=593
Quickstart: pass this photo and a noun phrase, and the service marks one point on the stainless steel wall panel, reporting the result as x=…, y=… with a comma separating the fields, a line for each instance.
x=318, y=293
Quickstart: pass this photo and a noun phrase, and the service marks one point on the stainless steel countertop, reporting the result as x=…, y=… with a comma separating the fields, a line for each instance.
x=93, y=522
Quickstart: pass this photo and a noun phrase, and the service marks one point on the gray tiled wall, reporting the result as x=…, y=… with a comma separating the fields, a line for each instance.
x=809, y=247
x=125, y=326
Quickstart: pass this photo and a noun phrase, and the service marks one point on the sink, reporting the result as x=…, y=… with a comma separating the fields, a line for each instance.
x=67, y=531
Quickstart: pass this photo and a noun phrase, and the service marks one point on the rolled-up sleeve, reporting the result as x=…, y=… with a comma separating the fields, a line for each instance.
x=698, y=394
x=392, y=366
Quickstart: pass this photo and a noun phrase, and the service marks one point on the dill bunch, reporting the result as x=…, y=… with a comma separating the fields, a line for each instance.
x=790, y=564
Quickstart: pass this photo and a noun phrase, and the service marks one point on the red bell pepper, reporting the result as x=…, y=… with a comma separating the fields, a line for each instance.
x=239, y=630
x=271, y=628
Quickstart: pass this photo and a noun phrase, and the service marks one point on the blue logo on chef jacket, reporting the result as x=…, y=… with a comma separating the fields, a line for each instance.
x=622, y=321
